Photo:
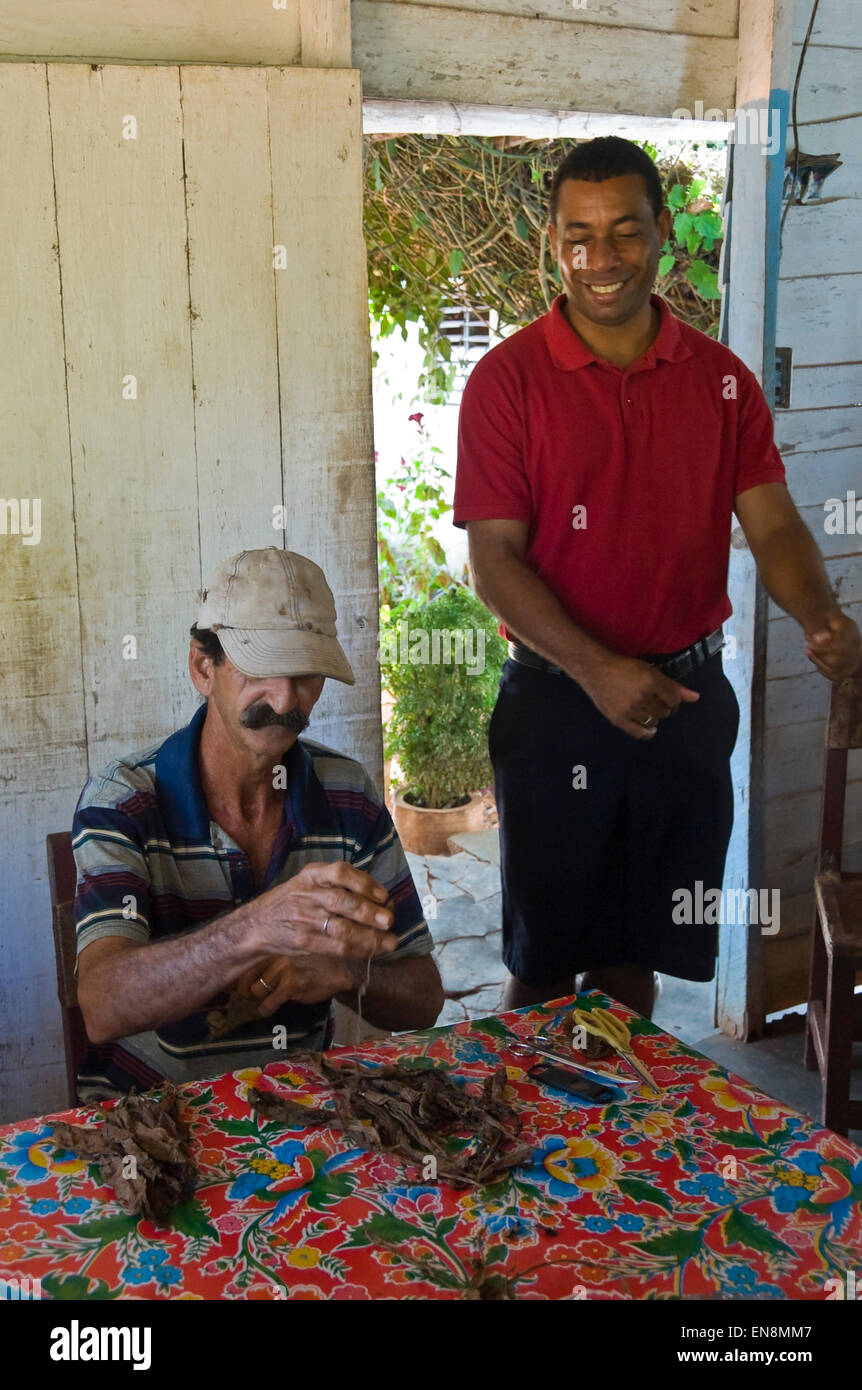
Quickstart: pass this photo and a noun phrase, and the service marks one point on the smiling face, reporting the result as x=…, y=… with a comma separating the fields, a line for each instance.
x=607, y=241
x=260, y=717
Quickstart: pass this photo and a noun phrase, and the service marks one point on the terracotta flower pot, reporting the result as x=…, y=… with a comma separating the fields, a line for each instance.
x=426, y=831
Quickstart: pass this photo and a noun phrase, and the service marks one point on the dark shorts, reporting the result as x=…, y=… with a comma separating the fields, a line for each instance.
x=589, y=874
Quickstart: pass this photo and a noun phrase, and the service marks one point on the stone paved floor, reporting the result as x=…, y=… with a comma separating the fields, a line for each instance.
x=462, y=902
x=461, y=899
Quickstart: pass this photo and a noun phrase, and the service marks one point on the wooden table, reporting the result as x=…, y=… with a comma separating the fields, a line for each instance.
x=709, y=1189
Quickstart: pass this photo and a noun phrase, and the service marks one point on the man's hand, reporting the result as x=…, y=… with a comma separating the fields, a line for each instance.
x=352, y=905
x=794, y=574
x=833, y=643
x=303, y=979
x=628, y=691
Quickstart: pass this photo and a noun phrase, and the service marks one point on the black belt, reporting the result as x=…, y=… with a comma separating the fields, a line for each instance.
x=672, y=664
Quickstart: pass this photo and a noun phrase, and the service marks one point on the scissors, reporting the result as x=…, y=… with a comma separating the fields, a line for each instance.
x=605, y=1025
x=526, y=1049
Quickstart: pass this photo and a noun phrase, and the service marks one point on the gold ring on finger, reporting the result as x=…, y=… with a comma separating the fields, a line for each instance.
x=262, y=981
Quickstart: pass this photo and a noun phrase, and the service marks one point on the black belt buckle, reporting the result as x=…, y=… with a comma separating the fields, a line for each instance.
x=681, y=663
x=525, y=656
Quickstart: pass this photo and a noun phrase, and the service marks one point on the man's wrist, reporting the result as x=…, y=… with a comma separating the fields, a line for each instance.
x=244, y=935
x=589, y=658
x=811, y=618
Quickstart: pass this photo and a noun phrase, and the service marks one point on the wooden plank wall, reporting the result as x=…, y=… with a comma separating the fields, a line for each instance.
x=152, y=258
x=43, y=750
x=748, y=322
x=610, y=56
x=165, y=31
x=313, y=33
x=820, y=436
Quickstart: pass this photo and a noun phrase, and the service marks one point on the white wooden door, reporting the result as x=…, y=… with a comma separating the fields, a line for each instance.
x=185, y=315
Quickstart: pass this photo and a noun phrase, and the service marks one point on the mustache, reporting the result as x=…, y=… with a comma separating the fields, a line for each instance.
x=261, y=715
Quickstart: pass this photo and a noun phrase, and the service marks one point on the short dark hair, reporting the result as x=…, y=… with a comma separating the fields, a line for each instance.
x=608, y=157
x=210, y=643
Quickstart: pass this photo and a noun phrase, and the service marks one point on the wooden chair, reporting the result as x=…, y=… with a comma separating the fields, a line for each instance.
x=62, y=877
x=833, y=1019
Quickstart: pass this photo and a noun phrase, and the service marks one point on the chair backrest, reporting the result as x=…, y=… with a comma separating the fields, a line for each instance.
x=844, y=726
x=843, y=732
x=61, y=878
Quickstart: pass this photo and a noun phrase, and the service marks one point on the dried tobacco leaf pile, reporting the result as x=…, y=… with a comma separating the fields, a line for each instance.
x=413, y=1111
x=149, y=1131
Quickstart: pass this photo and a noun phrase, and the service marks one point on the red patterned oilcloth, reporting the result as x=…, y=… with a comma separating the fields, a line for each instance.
x=709, y=1189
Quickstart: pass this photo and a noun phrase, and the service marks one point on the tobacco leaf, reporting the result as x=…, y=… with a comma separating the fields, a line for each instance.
x=416, y=1112
x=148, y=1130
x=236, y=1011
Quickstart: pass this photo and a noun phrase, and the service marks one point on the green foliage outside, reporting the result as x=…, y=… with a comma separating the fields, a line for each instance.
x=412, y=566
x=463, y=220
x=439, y=727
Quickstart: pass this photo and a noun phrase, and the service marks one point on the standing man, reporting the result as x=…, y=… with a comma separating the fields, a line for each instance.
x=602, y=452
x=235, y=856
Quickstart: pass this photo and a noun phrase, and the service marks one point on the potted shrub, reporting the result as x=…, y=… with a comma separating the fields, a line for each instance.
x=441, y=663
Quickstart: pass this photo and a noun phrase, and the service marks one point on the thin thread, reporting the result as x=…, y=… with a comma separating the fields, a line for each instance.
x=359, y=993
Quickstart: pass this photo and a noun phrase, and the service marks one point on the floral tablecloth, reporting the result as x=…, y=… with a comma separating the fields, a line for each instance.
x=708, y=1190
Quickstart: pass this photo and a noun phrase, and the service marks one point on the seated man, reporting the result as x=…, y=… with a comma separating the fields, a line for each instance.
x=236, y=857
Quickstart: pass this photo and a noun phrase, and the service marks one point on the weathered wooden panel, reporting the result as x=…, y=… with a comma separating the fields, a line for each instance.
x=813, y=476
x=835, y=383
x=820, y=236
x=391, y=117
x=845, y=576
x=786, y=965
x=786, y=641
x=122, y=232
x=324, y=33
x=139, y=498
x=837, y=427
x=840, y=137
x=166, y=31
x=797, y=877
x=31, y=1044
x=829, y=88
x=43, y=762
x=762, y=76
x=426, y=53
x=41, y=654
x=794, y=758
x=836, y=23
x=792, y=825
x=324, y=346
x=717, y=17
x=821, y=319
x=234, y=343
x=796, y=699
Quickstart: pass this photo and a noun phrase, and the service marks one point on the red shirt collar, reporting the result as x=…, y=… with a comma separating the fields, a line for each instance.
x=569, y=352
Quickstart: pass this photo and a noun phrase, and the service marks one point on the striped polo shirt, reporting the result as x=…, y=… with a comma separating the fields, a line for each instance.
x=153, y=864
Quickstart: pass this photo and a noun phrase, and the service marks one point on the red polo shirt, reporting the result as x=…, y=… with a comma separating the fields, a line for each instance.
x=626, y=477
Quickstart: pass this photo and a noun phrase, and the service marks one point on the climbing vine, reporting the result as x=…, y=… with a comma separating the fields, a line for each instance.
x=463, y=220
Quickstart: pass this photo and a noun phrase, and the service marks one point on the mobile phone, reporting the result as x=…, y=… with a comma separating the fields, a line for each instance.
x=573, y=1083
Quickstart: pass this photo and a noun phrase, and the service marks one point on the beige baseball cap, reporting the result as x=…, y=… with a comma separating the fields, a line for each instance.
x=274, y=615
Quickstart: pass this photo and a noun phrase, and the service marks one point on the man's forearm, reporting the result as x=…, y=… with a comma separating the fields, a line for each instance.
x=400, y=994
x=535, y=615
x=792, y=570
x=131, y=991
